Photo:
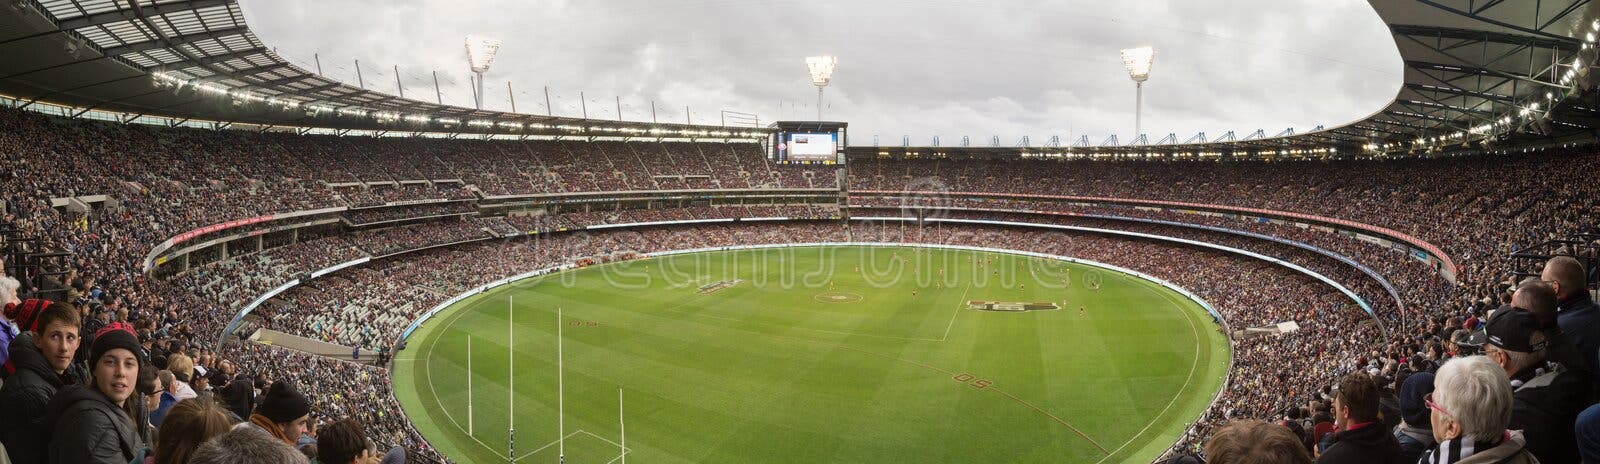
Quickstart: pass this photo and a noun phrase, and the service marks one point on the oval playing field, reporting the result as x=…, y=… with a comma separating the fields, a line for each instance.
x=815, y=354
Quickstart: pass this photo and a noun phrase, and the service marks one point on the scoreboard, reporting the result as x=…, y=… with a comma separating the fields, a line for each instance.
x=807, y=142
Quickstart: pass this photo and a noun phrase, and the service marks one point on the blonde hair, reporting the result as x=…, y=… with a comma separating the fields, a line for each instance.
x=181, y=366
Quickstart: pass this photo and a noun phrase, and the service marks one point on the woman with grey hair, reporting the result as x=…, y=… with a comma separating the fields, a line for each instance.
x=8, y=328
x=1470, y=407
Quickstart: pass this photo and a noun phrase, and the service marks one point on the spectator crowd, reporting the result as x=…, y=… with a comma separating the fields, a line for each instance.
x=104, y=363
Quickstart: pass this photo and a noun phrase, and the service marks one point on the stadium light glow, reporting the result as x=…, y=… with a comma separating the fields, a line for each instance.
x=480, y=54
x=821, y=68
x=481, y=51
x=1138, y=61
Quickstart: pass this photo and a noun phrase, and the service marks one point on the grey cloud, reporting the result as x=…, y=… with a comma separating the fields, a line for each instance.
x=923, y=68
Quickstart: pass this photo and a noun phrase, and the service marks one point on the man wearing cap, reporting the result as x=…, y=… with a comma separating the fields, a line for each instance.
x=283, y=413
x=90, y=424
x=39, y=366
x=1546, y=397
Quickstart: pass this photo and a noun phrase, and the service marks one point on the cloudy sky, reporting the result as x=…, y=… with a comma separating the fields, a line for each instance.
x=949, y=68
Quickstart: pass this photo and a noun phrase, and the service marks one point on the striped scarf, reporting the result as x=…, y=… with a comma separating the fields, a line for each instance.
x=1454, y=450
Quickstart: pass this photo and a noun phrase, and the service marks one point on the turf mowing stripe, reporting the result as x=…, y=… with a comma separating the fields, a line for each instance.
x=766, y=389
x=989, y=387
x=1052, y=416
x=1197, y=347
x=429, y=374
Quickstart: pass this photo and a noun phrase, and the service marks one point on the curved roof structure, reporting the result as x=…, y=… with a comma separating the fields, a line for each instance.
x=1479, y=75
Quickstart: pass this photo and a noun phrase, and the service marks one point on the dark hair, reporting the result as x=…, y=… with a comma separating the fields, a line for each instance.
x=189, y=423
x=245, y=445
x=64, y=313
x=1359, y=393
x=340, y=442
x=1255, y=442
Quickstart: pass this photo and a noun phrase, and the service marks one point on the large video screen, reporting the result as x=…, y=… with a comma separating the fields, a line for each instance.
x=812, y=147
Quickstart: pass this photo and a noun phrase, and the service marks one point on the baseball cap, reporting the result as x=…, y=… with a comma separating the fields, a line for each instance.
x=1512, y=330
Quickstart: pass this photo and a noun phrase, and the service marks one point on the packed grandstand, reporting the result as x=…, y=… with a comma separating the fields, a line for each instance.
x=200, y=239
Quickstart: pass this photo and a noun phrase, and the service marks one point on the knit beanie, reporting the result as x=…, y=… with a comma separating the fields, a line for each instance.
x=116, y=335
x=283, y=404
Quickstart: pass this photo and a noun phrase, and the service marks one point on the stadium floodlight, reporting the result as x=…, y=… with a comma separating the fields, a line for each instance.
x=1138, y=61
x=821, y=68
x=480, y=54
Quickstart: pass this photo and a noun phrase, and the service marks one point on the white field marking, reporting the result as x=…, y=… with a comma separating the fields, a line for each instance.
x=960, y=305
x=619, y=456
x=1197, y=346
x=585, y=432
x=691, y=282
x=429, y=374
x=686, y=301
x=547, y=445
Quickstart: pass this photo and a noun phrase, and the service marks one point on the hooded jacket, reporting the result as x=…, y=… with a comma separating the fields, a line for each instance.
x=87, y=428
x=25, y=398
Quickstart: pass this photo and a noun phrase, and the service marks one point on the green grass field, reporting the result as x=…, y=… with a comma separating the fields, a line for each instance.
x=816, y=354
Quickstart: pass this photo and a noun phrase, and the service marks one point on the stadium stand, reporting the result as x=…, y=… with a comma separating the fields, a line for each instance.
x=147, y=185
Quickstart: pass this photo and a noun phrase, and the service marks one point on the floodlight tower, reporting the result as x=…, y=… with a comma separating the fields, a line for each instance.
x=480, y=54
x=821, y=68
x=1137, y=61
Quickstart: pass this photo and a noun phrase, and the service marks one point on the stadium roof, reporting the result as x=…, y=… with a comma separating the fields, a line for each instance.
x=197, y=59
x=1479, y=75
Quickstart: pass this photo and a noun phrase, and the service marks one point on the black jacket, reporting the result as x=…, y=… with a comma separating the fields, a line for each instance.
x=1579, y=318
x=1371, y=444
x=24, y=400
x=87, y=428
x=1545, y=407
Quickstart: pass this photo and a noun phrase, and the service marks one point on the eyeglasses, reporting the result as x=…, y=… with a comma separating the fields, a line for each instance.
x=1428, y=399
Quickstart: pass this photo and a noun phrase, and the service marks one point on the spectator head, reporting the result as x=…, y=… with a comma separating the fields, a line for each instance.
x=1356, y=401
x=169, y=383
x=1516, y=341
x=1471, y=400
x=343, y=442
x=56, y=333
x=189, y=423
x=28, y=316
x=246, y=445
x=181, y=366
x=201, y=382
x=1255, y=442
x=1538, y=298
x=1413, y=404
x=149, y=385
x=8, y=292
x=114, y=362
x=1565, y=274
x=287, y=408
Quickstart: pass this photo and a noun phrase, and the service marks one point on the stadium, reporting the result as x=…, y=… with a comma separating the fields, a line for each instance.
x=294, y=267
